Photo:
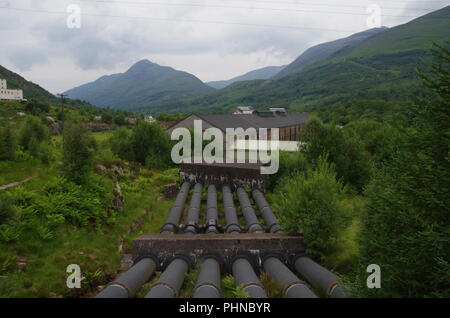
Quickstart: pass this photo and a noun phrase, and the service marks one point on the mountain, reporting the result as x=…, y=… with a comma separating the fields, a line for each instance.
x=381, y=67
x=30, y=90
x=322, y=51
x=142, y=85
x=262, y=73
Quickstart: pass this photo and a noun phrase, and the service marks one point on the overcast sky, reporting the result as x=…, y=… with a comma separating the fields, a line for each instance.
x=212, y=39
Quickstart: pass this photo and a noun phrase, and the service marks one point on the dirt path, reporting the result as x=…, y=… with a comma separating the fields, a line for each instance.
x=13, y=184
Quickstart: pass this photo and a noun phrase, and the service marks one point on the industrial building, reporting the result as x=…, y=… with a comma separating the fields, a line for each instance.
x=9, y=94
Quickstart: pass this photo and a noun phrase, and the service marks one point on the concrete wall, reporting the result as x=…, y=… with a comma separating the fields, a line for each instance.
x=11, y=94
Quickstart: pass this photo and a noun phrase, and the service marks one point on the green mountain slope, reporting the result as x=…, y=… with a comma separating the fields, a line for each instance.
x=30, y=90
x=143, y=85
x=262, y=73
x=382, y=67
x=325, y=50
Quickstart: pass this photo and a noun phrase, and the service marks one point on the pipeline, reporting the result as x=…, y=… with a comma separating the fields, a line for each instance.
x=129, y=282
x=173, y=220
x=230, y=211
x=194, y=210
x=266, y=211
x=208, y=282
x=292, y=287
x=319, y=277
x=212, y=215
x=245, y=276
x=169, y=284
x=249, y=213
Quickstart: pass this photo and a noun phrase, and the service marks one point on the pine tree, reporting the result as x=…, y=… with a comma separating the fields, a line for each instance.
x=405, y=228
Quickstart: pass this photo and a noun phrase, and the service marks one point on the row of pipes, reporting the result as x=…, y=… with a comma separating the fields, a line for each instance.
x=208, y=282
x=209, y=277
x=212, y=215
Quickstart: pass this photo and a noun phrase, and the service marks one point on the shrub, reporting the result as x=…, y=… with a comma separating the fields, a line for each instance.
x=34, y=137
x=290, y=163
x=344, y=150
x=120, y=143
x=147, y=144
x=8, y=145
x=78, y=152
x=310, y=205
x=33, y=131
x=6, y=208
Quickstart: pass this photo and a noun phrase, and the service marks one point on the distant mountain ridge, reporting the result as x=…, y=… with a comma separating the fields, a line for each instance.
x=142, y=85
x=262, y=73
x=325, y=50
x=381, y=67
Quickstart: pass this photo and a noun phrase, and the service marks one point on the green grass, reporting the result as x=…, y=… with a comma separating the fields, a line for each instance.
x=18, y=171
x=346, y=253
x=96, y=251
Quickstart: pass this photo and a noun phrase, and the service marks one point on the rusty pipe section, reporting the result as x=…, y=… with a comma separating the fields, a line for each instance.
x=245, y=276
x=292, y=287
x=266, y=211
x=169, y=284
x=249, y=213
x=194, y=210
x=230, y=211
x=173, y=220
x=319, y=277
x=208, y=282
x=129, y=282
x=212, y=215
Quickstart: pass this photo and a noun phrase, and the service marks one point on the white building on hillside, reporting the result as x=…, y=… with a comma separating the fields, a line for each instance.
x=9, y=94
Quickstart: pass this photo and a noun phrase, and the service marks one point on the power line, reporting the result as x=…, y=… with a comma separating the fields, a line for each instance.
x=154, y=3
x=183, y=20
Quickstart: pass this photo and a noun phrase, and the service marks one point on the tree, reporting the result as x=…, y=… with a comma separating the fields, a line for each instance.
x=120, y=143
x=344, y=150
x=33, y=128
x=8, y=144
x=151, y=145
x=78, y=152
x=34, y=137
x=309, y=203
x=107, y=118
x=120, y=120
x=36, y=107
x=405, y=227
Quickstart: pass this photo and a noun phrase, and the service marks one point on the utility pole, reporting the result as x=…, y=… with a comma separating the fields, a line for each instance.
x=62, y=110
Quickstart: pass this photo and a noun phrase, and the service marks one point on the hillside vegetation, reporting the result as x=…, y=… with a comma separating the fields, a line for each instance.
x=382, y=67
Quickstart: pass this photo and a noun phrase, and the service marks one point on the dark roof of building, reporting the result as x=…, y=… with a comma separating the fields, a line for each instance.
x=254, y=120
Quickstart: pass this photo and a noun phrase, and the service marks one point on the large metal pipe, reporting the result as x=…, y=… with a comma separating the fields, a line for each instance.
x=208, y=282
x=319, y=277
x=173, y=220
x=245, y=276
x=266, y=211
x=249, y=213
x=292, y=287
x=212, y=215
x=171, y=280
x=194, y=210
x=230, y=211
x=129, y=282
